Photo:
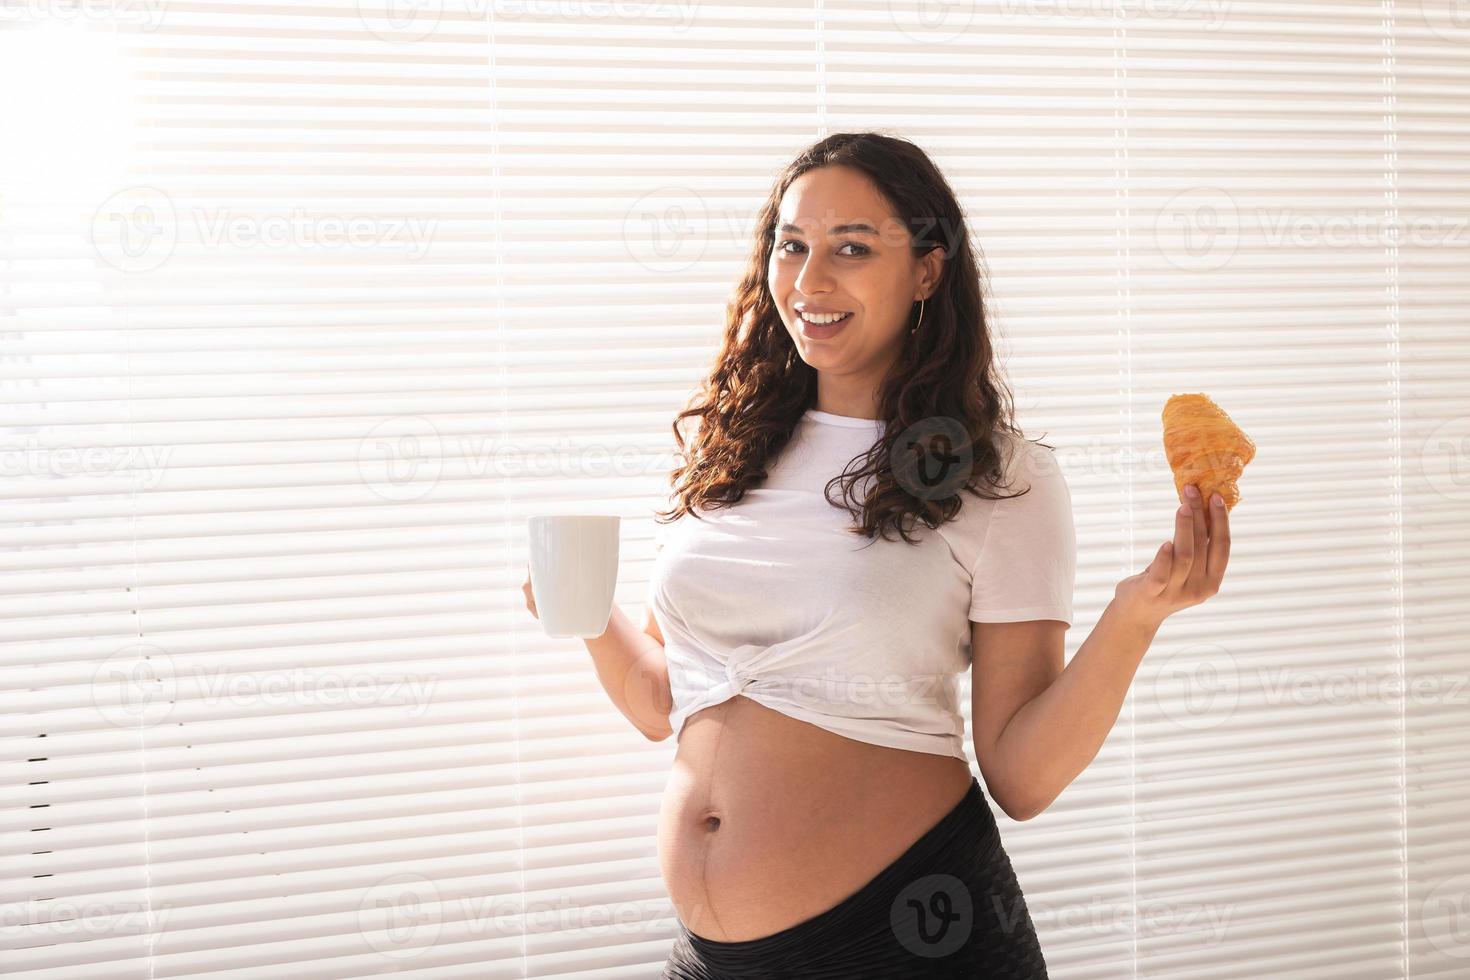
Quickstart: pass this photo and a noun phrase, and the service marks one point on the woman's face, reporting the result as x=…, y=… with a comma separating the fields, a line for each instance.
x=839, y=247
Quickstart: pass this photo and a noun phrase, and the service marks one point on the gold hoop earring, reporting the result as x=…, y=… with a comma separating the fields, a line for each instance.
x=915, y=327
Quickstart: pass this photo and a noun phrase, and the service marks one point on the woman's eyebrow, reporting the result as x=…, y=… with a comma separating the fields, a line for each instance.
x=859, y=227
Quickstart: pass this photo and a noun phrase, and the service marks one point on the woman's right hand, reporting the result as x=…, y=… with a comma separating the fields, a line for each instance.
x=530, y=596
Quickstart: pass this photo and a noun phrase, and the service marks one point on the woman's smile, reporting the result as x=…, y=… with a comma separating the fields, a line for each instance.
x=822, y=331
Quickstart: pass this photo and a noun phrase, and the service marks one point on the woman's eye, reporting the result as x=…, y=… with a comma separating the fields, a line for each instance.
x=862, y=249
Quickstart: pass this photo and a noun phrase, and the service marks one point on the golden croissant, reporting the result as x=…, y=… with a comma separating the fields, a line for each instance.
x=1205, y=447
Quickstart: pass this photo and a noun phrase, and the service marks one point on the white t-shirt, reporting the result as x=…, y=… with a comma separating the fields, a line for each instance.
x=775, y=599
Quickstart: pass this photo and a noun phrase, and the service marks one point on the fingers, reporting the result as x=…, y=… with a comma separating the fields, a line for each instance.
x=1219, y=555
x=530, y=595
x=1158, y=570
x=1200, y=534
x=1184, y=550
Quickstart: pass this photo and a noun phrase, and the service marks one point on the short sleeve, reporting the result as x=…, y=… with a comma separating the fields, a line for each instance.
x=660, y=535
x=1027, y=565
x=665, y=502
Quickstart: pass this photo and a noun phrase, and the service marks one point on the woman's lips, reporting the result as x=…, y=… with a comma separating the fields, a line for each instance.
x=822, y=331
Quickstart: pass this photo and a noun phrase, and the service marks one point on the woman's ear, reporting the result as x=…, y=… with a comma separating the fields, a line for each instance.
x=931, y=271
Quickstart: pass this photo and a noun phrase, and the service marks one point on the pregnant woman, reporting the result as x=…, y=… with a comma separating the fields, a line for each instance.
x=856, y=522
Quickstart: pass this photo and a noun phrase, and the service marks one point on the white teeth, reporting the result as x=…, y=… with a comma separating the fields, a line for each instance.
x=823, y=317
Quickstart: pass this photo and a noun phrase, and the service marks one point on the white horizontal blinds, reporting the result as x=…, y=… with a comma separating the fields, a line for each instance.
x=73, y=829
x=1431, y=56
x=558, y=205
x=1268, y=791
x=633, y=152
x=1022, y=112
x=270, y=698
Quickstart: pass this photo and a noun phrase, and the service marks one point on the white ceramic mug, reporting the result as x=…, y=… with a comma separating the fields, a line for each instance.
x=574, y=571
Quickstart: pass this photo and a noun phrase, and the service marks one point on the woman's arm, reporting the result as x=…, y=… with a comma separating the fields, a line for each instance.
x=1055, y=735
x=631, y=666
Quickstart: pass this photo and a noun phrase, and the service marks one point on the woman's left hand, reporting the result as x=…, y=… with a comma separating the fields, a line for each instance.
x=1185, y=571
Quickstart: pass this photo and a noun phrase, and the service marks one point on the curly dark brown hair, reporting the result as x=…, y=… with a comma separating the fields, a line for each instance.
x=945, y=381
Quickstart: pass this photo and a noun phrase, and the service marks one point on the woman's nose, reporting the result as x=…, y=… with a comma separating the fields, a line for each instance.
x=814, y=277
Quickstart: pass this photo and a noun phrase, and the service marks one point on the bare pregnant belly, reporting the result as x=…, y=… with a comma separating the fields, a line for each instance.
x=767, y=821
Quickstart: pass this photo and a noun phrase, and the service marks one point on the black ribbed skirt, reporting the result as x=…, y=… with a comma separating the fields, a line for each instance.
x=947, y=908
